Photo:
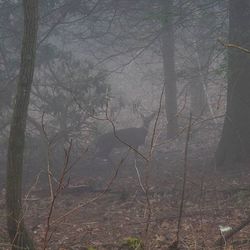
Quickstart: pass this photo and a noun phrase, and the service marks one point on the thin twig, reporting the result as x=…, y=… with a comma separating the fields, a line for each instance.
x=139, y=177
x=84, y=204
x=148, y=167
x=184, y=179
x=235, y=46
x=60, y=186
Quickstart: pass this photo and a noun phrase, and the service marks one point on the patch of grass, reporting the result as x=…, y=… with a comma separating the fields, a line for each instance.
x=91, y=248
x=133, y=243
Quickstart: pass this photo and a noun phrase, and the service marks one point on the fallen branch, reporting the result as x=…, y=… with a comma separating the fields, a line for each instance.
x=225, y=237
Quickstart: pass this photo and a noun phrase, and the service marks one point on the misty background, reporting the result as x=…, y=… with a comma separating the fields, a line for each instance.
x=130, y=97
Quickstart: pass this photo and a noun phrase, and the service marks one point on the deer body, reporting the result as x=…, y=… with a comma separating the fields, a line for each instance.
x=134, y=137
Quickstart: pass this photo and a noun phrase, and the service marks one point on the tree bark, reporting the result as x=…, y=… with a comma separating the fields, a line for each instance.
x=17, y=232
x=234, y=145
x=168, y=55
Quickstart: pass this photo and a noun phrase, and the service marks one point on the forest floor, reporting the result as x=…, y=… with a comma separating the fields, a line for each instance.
x=106, y=211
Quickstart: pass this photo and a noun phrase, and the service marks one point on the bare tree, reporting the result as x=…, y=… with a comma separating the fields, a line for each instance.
x=234, y=145
x=17, y=232
x=168, y=55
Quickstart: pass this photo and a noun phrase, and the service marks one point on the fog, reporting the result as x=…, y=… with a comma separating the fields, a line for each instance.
x=137, y=126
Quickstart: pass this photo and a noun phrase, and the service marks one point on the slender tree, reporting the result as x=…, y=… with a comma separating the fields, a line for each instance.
x=203, y=34
x=234, y=145
x=168, y=55
x=17, y=232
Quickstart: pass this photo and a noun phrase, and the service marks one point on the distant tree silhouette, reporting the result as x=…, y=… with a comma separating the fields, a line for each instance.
x=234, y=145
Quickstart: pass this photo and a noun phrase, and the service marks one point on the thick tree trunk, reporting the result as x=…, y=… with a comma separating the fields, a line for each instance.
x=18, y=234
x=168, y=55
x=234, y=145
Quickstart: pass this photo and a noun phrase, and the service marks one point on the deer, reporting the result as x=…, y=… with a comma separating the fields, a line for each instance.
x=132, y=137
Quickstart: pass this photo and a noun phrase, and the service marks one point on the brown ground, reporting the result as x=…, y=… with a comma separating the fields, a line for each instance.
x=211, y=199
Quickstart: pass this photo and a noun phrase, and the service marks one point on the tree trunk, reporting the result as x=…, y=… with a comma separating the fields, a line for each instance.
x=198, y=97
x=168, y=55
x=18, y=234
x=234, y=145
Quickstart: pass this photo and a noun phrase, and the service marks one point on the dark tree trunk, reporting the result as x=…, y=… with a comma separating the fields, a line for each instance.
x=234, y=145
x=18, y=234
x=168, y=55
